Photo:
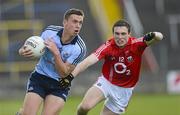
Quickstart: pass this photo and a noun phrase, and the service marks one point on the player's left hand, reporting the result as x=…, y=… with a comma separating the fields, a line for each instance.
x=66, y=82
x=25, y=52
x=149, y=36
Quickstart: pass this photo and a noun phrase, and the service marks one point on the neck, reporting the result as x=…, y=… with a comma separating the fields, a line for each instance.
x=66, y=38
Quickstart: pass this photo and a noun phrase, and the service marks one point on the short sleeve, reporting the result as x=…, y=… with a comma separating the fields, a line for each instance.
x=78, y=53
x=140, y=44
x=75, y=58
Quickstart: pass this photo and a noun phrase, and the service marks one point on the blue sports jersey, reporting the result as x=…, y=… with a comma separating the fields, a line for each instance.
x=73, y=52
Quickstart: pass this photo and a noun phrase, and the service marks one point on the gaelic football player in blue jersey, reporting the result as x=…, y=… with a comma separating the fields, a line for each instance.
x=64, y=50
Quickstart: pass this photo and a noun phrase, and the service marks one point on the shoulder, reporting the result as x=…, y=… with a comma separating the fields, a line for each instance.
x=78, y=50
x=105, y=46
x=109, y=43
x=50, y=31
x=80, y=44
x=53, y=29
x=138, y=43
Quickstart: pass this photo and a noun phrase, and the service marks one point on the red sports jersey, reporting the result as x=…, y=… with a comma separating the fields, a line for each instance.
x=122, y=65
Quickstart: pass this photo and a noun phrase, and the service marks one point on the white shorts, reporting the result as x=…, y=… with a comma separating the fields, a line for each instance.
x=117, y=98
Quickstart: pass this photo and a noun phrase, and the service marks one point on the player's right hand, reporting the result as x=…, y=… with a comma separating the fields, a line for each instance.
x=23, y=51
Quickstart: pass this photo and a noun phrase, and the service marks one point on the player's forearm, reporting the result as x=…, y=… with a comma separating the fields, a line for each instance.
x=90, y=60
x=79, y=68
x=60, y=66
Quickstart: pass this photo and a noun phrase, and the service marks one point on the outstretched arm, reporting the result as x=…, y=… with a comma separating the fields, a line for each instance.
x=152, y=37
x=90, y=60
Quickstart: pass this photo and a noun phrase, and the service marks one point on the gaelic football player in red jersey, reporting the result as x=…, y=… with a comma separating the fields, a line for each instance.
x=120, y=72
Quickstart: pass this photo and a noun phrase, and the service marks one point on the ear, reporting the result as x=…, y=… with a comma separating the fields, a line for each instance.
x=129, y=34
x=64, y=22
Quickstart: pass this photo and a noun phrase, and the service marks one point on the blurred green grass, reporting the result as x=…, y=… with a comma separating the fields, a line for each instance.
x=140, y=104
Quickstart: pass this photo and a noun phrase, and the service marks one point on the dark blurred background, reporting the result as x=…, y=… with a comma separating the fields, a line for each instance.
x=20, y=19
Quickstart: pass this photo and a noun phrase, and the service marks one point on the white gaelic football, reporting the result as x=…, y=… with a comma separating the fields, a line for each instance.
x=158, y=35
x=36, y=45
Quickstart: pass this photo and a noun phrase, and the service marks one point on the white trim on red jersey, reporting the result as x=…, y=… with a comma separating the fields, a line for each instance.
x=101, y=48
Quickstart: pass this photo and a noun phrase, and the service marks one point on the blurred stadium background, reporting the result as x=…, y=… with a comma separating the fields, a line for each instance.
x=20, y=19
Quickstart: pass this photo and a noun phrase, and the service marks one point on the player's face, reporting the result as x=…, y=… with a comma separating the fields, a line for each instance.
x=121, y=35
x=73, y=24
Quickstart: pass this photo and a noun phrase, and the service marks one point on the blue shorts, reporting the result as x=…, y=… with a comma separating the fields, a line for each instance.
x=43, y=86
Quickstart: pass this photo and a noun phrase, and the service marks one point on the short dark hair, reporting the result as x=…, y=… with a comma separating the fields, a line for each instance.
x=73, y=11
x=122, y=23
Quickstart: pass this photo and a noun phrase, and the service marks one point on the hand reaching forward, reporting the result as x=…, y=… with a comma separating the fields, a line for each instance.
x=66, y=82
